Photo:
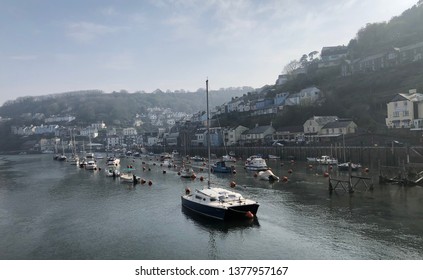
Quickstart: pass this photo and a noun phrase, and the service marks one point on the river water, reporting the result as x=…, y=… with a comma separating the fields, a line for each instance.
x=52, y=210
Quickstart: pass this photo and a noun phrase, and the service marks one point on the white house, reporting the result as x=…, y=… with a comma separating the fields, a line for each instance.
x=405, y=110
x=316, y=123
x=232, y=135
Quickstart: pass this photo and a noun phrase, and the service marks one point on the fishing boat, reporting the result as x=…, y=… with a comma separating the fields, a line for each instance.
x=216, y=202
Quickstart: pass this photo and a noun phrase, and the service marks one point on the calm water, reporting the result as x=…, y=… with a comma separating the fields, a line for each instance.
x=52, y=210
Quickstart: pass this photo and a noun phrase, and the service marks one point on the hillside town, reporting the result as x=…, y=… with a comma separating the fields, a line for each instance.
x=177, y=129
x=162, y=127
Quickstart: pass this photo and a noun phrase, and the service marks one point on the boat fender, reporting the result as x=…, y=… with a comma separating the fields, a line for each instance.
x=201, y=178
x=142, y=181
x=233, y=184
x=150, y=183
x=366, y=170
x=326, y=174
x=187, y=190
x=249, y=215
x=285, y=179
x=289, y=171
x=164, y=171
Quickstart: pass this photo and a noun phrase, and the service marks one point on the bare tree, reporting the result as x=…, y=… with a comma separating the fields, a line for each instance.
x=291, y=67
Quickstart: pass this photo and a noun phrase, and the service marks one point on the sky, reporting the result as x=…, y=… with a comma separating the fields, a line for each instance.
x=51, y=46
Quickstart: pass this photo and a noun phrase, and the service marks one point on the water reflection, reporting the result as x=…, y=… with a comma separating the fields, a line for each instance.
x=209, y=224
x=216, y=227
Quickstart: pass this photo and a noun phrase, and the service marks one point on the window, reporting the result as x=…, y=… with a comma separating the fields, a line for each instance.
x=395, y=114
x=405, y=113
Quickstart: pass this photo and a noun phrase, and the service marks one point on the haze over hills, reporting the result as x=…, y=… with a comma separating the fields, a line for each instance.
x=361, y=96
x=93, y=105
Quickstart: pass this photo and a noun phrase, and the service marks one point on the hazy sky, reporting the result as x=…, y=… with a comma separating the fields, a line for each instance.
x=52, y=46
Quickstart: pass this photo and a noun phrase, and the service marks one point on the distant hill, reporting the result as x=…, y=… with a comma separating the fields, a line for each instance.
x=94, y=105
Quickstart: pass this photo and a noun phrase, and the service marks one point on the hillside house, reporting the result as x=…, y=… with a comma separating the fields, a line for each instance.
x=256, y=135
x=199, y=138
x=231, y=136
x=313, y=125
x=309, y=96
x=337, y=128
x=405, y=110
x=332, y=56
x=280, y=98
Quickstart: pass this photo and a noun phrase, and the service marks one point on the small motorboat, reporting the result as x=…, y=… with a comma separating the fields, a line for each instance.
x=221, y=167
x=256, y=163
x=324, y=160
x=267, y=176
x=112, y=172
x=345, y=166
x=188, y=173
x=197, y=158
x=129, y=178
x=228, y=158
x=91, y=165
x=113, y=161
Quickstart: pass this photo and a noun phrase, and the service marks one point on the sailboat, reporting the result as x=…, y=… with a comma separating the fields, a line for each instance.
x=62, y=157
x=215, y=202
x=74, y=158
x=345, y=166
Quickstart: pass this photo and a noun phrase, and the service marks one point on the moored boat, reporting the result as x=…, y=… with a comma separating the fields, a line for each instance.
x=91, y=165
x=187, y=172
x=220, y=204
x=113, y=161
x=345, y=166
x=215, y=202
x=221, y=167
x=256, y=163
x=267, y=176
x=325, y=160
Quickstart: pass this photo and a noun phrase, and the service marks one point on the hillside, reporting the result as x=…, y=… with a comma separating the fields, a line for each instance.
x=91, y=106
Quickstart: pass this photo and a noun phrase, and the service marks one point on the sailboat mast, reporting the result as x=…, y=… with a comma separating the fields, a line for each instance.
x=208, y=132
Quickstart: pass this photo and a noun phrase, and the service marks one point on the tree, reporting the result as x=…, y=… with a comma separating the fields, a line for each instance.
x=304, y=60
x=291, y=67
x=311, y=55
